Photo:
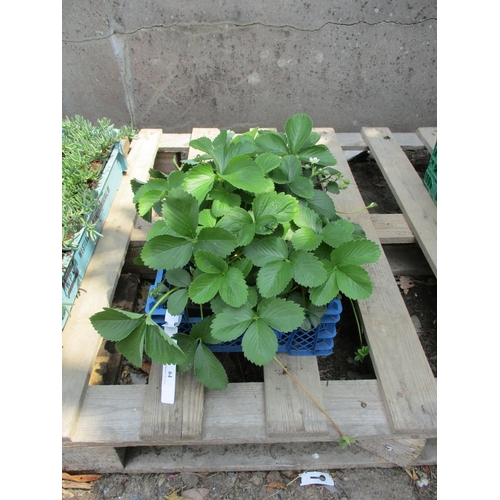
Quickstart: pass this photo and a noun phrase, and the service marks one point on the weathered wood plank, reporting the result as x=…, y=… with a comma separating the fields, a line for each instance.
x=161, y=421
x=173, y=143
x=400, y=452
x=354, y=141
x=392, y=228
x=289, y=411
x=428, y=135
x=112, y=415
x=184, y=419
x=408, y=189
x=404, y=375
x=80, y=342
x=93, y=458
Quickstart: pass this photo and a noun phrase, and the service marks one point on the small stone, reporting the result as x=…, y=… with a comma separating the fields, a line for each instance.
x=189, y=479
x=416, y=323
x=138, y=378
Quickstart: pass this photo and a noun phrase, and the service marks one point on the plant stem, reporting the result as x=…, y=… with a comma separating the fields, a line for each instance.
x=322, y=410
x=162, y=299
x=357, y=322
x=371, y=205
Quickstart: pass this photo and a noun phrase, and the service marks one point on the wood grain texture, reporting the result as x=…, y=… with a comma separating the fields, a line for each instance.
x=80, y=342
x=403, y=372
x=428, y=135
x=289, y=411
x=408, y=189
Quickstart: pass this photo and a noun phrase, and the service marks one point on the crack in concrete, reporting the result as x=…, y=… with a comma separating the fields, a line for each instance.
x=247, y=25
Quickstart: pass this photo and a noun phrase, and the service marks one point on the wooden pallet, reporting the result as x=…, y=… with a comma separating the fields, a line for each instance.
x=270, y=425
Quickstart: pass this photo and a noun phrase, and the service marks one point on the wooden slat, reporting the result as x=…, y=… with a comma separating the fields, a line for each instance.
x=428, y=135
x=182, y=420
x=403, y=372
x=163, y=422
x=401, y=452
x=392, y=228
x=173, y=143
x=354, y=141
x=408, y=189
x=112, y=415
x=289, y=411
x=80, y=342
x=261, y=457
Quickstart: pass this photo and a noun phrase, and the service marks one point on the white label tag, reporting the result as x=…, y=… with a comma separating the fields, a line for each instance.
x=169, y=371
x=316, y=478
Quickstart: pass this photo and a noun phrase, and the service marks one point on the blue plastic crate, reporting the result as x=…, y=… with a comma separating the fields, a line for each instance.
x=315, y=342
x=75, y=263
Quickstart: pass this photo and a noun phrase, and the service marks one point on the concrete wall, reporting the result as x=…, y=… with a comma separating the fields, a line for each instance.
x=236, y=64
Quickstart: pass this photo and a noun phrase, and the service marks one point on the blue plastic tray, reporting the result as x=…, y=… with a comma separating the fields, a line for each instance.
x=315, y=342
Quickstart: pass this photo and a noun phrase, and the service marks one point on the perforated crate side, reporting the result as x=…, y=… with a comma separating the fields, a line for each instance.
x=315, y=342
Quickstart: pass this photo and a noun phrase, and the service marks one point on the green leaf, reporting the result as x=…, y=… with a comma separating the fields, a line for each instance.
x=199, y=181
x=338, y=232
x=203, y=331
x=241, y=145
x=244, y=264
x=266, y=224
x=178, y=277
x=208, y=369
x=150, y=194
x=271, y=142
x=234, y=289
x=298, y=129
x=357, y=252
x=307, y=269
x=166, y=252
x=321, y=152
x=188, y=346
x=240, y=223
x=354, y=282
x=308, y=218
x=264, y=250
x=283, y=207
x=132, y=346
x=289, y=170
x=268, y=162
x=216, y=240
x=306, y=239
x=177, y=302
x=115, y=324
x=175, y=179
x=202, y=144
x=273, y=278
x=232, y=323
x=302, y=187
x=322, y=204
x=223, y=201
x=326, y=292
x=243, y=173
x=259, y=344
x=180, y=211
x=206, y=218
x=210, y=263
x=159, y=227
x=160, y=347
x=205, y=287
x=280, y=314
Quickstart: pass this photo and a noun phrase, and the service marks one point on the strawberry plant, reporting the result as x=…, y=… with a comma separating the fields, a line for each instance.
x=247, y=231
